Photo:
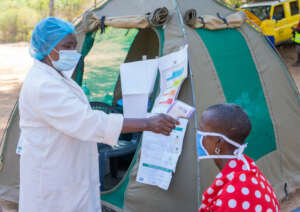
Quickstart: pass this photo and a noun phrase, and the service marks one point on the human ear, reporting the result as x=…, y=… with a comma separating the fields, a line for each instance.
x=53, y=55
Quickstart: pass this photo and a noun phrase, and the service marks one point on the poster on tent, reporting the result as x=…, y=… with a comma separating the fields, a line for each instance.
x=159, y=153
x=159, y=156
x=173, y=71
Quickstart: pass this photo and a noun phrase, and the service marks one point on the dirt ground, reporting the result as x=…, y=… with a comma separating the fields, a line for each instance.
x=15, y=62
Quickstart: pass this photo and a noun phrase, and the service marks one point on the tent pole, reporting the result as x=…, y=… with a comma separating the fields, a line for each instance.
x=193, y=95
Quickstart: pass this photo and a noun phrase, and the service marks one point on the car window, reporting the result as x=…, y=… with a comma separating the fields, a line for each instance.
x=294, y=8
x=262, y=12
x=278, y=13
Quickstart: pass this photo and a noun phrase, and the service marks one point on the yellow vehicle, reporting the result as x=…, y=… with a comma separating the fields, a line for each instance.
x=274, y=18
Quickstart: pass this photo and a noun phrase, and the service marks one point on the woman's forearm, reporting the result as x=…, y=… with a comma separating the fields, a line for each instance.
x=134, y=125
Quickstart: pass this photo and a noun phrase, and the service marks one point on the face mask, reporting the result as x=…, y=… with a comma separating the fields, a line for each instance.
x=67, y=61
x=203, y=154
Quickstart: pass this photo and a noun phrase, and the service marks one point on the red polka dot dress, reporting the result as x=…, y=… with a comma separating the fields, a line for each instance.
x=238, y=189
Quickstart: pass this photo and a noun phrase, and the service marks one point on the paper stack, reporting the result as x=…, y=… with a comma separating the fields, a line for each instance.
x=137, y=81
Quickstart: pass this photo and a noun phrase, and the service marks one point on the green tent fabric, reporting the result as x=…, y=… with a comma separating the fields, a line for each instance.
x=241, y=85
x=231, y=65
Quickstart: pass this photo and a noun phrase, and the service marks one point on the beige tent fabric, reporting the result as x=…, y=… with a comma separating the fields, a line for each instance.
x=91, y=20
x=210, y=22
x=282, y=166
x=3, y=140
x=10, y=174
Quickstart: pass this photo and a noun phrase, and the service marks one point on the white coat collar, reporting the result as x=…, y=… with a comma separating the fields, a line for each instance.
x=47, y=68
x=42, y=66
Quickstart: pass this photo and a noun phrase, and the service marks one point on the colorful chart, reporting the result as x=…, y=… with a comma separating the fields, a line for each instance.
x=176, y=74
x=168, y=101
x=171, y=93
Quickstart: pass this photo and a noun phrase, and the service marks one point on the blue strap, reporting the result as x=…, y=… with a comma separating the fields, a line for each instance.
x=222, y=18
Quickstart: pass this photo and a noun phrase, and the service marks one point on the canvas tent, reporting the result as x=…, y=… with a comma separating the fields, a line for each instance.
x=229, y=65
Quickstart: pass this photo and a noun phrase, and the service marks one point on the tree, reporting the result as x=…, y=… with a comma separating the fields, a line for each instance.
x=51, y=7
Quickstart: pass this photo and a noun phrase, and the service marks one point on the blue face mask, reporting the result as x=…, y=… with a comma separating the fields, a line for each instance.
x=203, y=154
x=68, y=59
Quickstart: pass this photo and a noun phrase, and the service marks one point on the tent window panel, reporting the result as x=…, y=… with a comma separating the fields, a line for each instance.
x=278, y=13
x=294, y=8
x=101, y=82
x=150, y=43
x=102, y=64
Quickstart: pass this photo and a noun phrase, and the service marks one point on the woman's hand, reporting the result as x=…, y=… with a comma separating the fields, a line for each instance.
x=163, y=124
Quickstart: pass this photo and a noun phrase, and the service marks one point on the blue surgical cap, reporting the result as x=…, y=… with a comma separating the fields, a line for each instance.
x=47, y=34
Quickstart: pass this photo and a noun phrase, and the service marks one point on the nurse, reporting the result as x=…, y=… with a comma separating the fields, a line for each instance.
x=59, y=130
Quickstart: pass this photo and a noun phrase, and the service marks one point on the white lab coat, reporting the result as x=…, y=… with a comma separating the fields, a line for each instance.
x=59, y=131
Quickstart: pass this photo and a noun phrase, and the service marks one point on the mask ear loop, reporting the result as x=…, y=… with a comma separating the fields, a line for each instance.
x=238, y=153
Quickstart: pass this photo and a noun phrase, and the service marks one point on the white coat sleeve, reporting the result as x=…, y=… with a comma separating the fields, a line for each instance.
x=63, y=110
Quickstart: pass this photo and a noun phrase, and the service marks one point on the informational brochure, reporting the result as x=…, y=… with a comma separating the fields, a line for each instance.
x=173, y=71
x=159, y=153
x=159, y=156
x=180, y=109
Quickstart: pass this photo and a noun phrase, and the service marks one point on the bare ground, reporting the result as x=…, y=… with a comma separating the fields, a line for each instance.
x=15, y=62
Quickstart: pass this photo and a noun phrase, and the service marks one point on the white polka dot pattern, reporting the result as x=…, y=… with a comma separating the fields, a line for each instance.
x=246, y=205
x=230, y=189
x=269, y=190
x=245, y=191
x=258, y=208
x=244, y=167
x=254, y=180
x=258, y=194
x=267, y=197
x=210, y=190
x=240, y=190
x=232, y=203
x=219, y=175
x=262, y=185
x=242, y=177
x=230, y=176
x=232, y=164
x=219, y=202
x=219, y=183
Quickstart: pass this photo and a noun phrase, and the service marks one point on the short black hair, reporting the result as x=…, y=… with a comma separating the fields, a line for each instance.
x=230, y=120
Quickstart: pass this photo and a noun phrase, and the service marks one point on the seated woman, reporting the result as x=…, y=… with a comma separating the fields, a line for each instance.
x=240, y=186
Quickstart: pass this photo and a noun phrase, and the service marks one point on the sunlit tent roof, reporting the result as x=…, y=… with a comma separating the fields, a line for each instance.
x=234, y=65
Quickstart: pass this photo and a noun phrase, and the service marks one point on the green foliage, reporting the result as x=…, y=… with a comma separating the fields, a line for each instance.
x=235, y=3
x=18, y=17
x=70, y=8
